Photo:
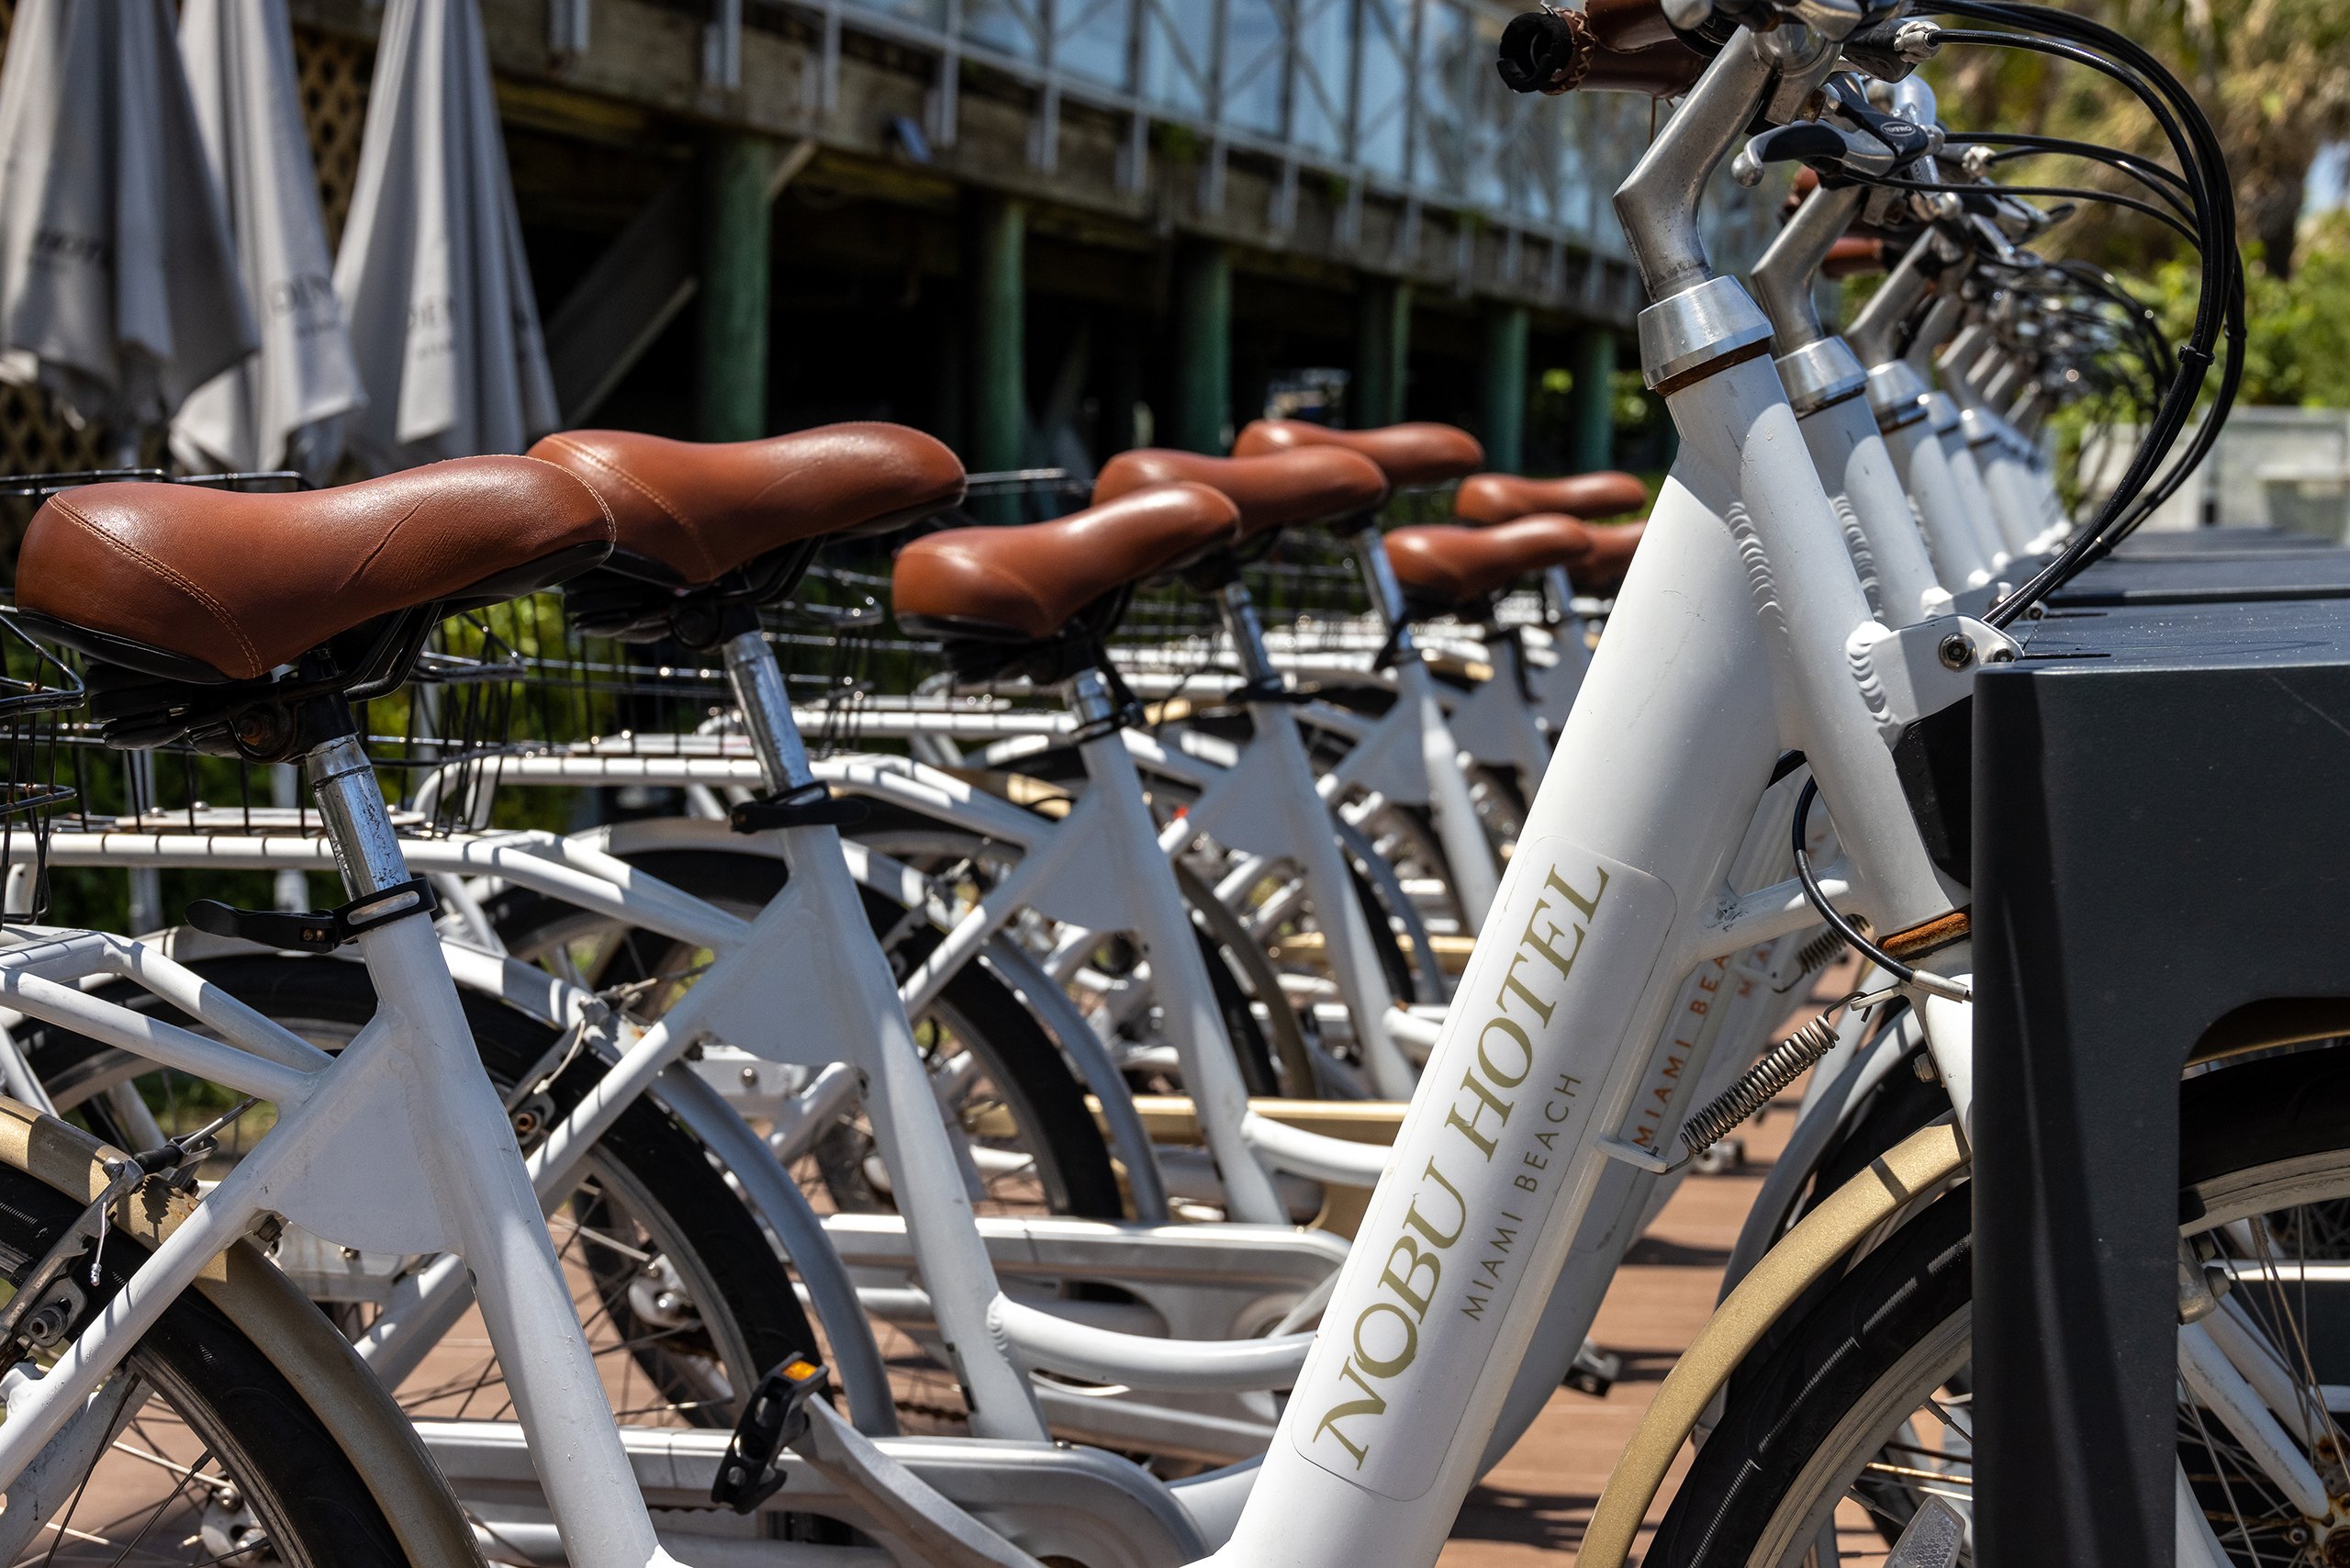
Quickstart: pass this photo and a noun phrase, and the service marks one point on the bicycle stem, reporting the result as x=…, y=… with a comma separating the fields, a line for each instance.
x=1658, y=203
x=1698, y=342
x=1783, y=278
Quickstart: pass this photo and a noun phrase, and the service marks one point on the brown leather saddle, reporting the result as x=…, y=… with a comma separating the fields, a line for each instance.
x=214, y=614
x=707, y=530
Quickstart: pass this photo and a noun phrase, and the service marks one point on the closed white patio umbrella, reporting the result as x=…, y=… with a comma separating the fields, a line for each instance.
x=431, y=273
x=283, y=406
x=118, y=285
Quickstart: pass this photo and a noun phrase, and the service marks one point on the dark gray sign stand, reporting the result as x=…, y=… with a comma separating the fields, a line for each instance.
x=2162, y=840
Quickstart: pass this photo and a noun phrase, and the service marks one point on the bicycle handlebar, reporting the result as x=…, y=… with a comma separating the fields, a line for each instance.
x=1564, y=52
x=1829, y=18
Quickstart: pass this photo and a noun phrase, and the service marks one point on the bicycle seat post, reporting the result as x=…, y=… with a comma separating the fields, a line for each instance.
x=357, y=823
x=757, y=683
x=1386, y=593
x=1241, y=623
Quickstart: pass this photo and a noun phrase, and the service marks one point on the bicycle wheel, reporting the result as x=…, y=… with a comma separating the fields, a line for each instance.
x=1034, y=1142
x=1865, y=1409
x=215, y=1456
x=684, y=1300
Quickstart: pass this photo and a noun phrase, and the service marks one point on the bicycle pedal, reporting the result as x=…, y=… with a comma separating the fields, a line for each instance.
x=774, y=1418
x=1594, y=1371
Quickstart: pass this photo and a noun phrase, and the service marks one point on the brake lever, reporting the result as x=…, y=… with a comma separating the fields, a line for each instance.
x=1852, y=139
x=1906, y=139
x=1991, y=237
x=1838, y=156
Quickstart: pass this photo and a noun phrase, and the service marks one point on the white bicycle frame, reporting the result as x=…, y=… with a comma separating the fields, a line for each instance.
x=791, y=975
x=1734, y=637
x=1104, y=867
x=789, y=962
x=1410, y=755
x=397, y=1145
x=427, y=1306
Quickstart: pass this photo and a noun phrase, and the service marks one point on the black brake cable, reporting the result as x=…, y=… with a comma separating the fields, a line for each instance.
x=2218, y=305
x=2206, y=166
x=2174, y=197
x=2137, y=321
x=2206, y=433
x=2232, y=287
x=2018, y=144
x=2073, y=192
x=1817, y=896
x=2138, y=316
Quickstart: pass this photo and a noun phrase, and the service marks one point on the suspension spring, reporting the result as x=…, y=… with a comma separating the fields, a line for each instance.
x=1820, y=952
x=1813, y=957
x=1780, y=1066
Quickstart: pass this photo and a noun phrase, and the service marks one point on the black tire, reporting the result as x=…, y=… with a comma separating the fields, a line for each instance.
x=747, y=1317
x=296, y=1483
x=1407, y=836
x=1046, y=1103
x=1900, y=1104
x=1404, y=982
x=1249, y=1047
x=1901, y=1320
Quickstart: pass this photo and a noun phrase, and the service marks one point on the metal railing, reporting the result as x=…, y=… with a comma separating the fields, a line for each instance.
x=1392, y=99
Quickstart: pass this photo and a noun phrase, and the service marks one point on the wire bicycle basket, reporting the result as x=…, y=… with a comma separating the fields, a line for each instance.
x=37, y=691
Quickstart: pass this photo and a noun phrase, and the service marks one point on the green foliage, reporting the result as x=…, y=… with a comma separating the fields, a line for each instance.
x=2297, y=329
x=1637, y=410
x=2273, y=76
x=2296, y=336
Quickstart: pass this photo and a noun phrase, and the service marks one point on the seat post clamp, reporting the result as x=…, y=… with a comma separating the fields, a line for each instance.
x=1267, y=688
x=1129, y=715
x=1126, y=710
x=317, y=931
x=810, y=805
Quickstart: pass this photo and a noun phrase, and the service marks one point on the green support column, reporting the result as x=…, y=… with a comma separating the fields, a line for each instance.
x=731, y=401
x=1383, y=350
x=1203, y=412
x=1591, y=410
x=995, y=407
x=1503, y=410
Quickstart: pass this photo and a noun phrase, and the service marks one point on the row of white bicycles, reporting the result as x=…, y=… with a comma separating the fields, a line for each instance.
x=1119, y=1094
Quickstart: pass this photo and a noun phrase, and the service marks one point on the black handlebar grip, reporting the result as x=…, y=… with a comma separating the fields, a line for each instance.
x=1543, y=51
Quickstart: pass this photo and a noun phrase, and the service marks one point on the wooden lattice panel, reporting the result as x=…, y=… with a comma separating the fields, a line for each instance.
x=332, y=71
x=34, y=437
